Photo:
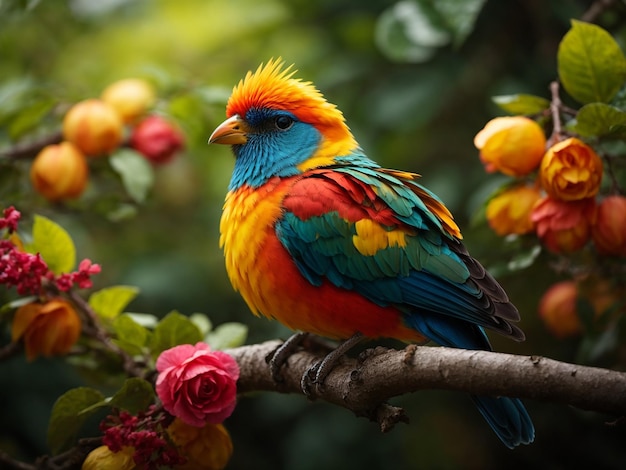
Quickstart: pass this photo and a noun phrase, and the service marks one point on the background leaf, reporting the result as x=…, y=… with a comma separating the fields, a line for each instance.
x=413, y=30
x=591, y=64
x=598, y=119
x=135, y=395
x=29, y=117
x=410, y=32
x=202, y=322
x=54, y=244
x=111, y=301
x=227, y=335
x=458, y=16
x=67, y=416
x=131, y=336
x=522, y=103
x=173, y=330
x=524, y=259
x=136, y=172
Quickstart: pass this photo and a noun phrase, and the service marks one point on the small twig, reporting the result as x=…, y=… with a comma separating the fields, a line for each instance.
x=94, y=329
x=8, y=463
x=555, y=109
x=9, y=350
x=596, y=9
x=31, y=149
x=71, y=458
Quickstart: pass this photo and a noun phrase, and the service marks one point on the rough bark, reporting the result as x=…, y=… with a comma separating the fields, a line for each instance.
x=364, y=385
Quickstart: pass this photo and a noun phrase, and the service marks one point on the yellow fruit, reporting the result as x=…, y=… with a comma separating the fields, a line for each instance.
x=59, y=172
x=94, y=127
x=131, y=98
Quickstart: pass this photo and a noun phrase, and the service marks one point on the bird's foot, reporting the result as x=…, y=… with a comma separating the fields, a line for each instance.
x=277, y=358
x=316, y=374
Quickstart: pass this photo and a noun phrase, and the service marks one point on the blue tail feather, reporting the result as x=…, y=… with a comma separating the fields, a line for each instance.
x=506, y=416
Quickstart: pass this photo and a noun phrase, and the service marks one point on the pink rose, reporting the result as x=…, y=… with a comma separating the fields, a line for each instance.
x=197, y=385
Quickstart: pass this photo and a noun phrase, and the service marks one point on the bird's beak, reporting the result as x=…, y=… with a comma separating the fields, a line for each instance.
x=233, y=131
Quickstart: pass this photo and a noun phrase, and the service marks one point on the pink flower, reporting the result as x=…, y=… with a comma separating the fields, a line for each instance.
x=196, y=384
x=29, y=272
x=25, y=271
x=10, y=218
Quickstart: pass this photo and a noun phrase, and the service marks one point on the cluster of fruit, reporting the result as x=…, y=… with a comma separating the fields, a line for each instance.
x=556, y=195
x=96, y=128
x=556, y=191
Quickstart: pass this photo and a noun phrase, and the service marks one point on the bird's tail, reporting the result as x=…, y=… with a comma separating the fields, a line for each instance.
x=508, y=418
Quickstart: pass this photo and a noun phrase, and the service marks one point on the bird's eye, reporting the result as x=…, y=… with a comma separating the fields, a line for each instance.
x=283, y=122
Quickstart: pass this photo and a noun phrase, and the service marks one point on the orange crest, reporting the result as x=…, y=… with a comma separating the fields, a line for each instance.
x=272, y=86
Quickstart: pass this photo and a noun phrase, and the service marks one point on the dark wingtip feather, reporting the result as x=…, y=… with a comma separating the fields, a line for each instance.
x=504, y=311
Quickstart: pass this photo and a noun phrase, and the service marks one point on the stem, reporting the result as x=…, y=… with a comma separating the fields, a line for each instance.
x=94, y=329
x=596, y=9
x=31, y=149
x=9, y=350
x=555, y=109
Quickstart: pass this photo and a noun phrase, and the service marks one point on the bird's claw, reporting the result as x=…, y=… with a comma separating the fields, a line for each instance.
x=311, y=378
x=316, y=374
x=308, y=380
x=277, y=358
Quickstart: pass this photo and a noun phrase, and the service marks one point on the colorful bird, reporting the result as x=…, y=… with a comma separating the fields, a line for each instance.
x=321, y=238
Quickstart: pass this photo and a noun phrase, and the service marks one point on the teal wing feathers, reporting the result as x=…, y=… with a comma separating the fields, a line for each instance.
x=380, y=233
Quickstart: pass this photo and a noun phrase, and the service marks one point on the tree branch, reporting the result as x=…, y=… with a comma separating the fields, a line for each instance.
x=363, y=385
x=596, y=9
x=30, y=149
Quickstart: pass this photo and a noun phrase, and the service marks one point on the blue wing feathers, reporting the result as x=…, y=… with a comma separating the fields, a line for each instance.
x=449, y=331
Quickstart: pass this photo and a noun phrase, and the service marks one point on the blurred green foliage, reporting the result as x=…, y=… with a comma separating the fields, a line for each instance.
x=417, y=111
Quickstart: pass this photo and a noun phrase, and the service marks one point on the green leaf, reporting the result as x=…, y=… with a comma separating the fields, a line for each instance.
x=594, y=347
x=202, y=322
x=68, y=416
x=122, y=212
x=29, y=117
x=9, y=307
x=524, y=259
x=173, y=330
x=227, y=335
x=458, y=16
x=591, y=65
x=598, y=119
x=54, y=244
x=410, y=31
x=413, y=30
x=136, y=172
x=13, y=96
x=135, y=395
x=131, y=336
x=144, y=319
x=521, y=104
x=111, y=301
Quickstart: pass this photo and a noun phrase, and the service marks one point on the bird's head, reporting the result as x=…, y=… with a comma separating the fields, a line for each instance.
x=280, y=126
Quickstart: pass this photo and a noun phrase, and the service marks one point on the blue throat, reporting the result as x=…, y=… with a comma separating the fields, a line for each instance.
x=271, y=153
